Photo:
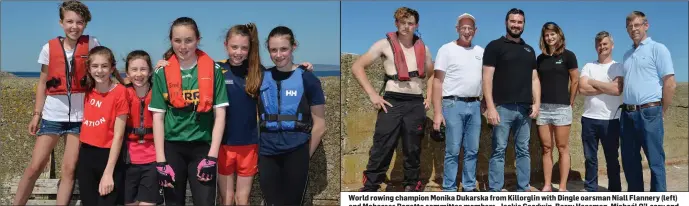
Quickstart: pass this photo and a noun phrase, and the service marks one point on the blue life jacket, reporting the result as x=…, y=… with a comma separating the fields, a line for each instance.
x=283, y=106
x=284, y=113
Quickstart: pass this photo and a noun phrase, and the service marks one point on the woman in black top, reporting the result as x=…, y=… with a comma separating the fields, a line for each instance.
x=559, y=75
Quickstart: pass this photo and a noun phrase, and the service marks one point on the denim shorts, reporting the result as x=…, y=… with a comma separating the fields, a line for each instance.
x=48, y=127
x=555, y=114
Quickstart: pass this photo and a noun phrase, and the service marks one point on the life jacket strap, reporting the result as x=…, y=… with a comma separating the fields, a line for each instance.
x=396, y=77
x=138, y=131
x=281, y=117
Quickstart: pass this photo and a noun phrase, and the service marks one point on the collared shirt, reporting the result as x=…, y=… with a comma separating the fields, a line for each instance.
x=514, y=64
x=463, y=69
x=643, y=70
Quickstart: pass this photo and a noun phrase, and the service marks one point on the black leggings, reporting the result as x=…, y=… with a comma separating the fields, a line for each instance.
x=90, y=167
x=284, y=177
x=184, y=157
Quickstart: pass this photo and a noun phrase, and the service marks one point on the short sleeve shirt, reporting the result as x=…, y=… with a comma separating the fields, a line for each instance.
x=514, y=63
x=553, y=73
x=643, y=69
x=100, y=112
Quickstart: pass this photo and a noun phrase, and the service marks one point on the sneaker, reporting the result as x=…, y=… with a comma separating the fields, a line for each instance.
x=411, y=188
x=367, y=189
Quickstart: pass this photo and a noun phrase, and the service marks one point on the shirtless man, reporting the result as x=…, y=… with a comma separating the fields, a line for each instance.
x=402, y=110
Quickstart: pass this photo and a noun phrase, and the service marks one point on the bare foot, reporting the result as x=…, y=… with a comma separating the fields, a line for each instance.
x=547, y=188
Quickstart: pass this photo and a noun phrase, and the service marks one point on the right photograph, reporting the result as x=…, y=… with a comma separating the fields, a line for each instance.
x=518, y=96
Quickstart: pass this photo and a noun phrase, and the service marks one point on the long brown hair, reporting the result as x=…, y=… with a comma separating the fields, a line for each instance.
x=253, y=79
x=559, y=45
x=181, y=21
x=106, y=52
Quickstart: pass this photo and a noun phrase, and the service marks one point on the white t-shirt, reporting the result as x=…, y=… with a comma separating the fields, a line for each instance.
x=602, y=106
x=56, y=107
x=463, y=69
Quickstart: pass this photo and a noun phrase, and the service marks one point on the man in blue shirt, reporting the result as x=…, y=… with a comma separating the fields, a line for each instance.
x=649, y=73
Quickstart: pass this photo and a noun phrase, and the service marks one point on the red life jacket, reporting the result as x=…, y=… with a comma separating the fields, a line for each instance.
x=140, y=122
x=401, y=63
x=59, y=80
x=173, y=77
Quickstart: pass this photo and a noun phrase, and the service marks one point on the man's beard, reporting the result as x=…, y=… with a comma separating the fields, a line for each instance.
x=517, y=35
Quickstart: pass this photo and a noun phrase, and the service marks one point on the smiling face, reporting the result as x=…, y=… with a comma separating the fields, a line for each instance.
x=100, y=68
x=73, y=25
x=551, y=37
x=636, y=28
x=237, y=47
x=515, y=25
x=139, y=72
x=466, y=29
x=184, y=41
x=604, y=46
x=281, y=50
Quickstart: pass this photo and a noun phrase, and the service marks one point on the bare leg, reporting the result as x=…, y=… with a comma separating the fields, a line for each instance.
x=545, y=133
x=243, y=189
x=562, y=141
x=69, y=163
x=226, y=187
x=39, y=158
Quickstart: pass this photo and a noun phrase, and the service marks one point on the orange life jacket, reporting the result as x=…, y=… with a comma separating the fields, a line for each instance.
x=140, y=122
x=60, y=79
x=403, y=73
x=173, y=77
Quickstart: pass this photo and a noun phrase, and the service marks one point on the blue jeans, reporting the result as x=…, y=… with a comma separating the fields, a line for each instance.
x=608, y=133
x=512, y=116
x=463, y=125
x=48, y=127
x=643, y=129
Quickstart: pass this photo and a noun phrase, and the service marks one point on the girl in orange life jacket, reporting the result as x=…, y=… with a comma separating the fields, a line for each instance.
x=100, y=171
x=285, y=146
x=188, y=103
x=141, y=178
x=59, y=101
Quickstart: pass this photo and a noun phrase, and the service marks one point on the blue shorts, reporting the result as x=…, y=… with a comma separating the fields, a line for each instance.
x=48, y=127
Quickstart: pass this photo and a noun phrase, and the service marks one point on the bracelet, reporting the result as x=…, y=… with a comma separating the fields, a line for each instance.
x=36, y=113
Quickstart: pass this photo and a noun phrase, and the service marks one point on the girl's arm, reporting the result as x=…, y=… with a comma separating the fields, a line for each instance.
x=158, y=136
x=218, y=129
x=318, y=116
x=40, y=100
x=120, y=123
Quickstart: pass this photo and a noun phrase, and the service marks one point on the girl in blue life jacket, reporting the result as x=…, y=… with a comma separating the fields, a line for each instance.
x=291, y=108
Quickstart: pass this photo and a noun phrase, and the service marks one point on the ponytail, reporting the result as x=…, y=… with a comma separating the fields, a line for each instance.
x=255, y=71
x=168, y=53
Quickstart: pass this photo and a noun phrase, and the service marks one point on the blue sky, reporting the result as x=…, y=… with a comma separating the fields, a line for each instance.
x=366, y=22
x=126, y=26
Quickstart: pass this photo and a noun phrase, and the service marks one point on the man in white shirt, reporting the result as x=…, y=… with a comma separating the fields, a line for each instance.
x=458, y=76
x=600, y=121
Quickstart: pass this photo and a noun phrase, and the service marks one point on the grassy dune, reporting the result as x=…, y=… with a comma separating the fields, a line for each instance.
x=358, y=120
x=17, y=102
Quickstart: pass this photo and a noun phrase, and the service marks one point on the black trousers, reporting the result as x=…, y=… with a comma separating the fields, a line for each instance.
x=283, y=178
x=90, y=167
x=184, y=157
x=406, y=119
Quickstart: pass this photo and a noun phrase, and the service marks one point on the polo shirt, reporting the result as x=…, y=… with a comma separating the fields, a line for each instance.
x=553, y=73
x=643, y=70
x=462, y=67
x=514, y=63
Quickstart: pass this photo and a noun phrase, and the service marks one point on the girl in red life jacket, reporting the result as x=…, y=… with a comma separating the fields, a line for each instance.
x=59, y=106
x=141, y=180
x=100, y=170
x=188, y=101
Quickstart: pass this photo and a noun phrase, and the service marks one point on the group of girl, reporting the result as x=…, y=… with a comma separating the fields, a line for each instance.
x=155, y=130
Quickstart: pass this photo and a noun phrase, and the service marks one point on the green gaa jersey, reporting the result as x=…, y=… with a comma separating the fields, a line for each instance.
x=182, y=125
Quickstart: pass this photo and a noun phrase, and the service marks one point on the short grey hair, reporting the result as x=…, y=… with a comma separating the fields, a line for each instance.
x=601, y=35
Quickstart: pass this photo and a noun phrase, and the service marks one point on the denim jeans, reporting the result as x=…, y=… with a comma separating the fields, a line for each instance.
x=608, y=133
x=516, y=117
x=643, y=129
x=463, y=121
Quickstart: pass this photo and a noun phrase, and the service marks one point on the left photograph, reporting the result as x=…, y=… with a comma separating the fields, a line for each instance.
x=175, y=103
